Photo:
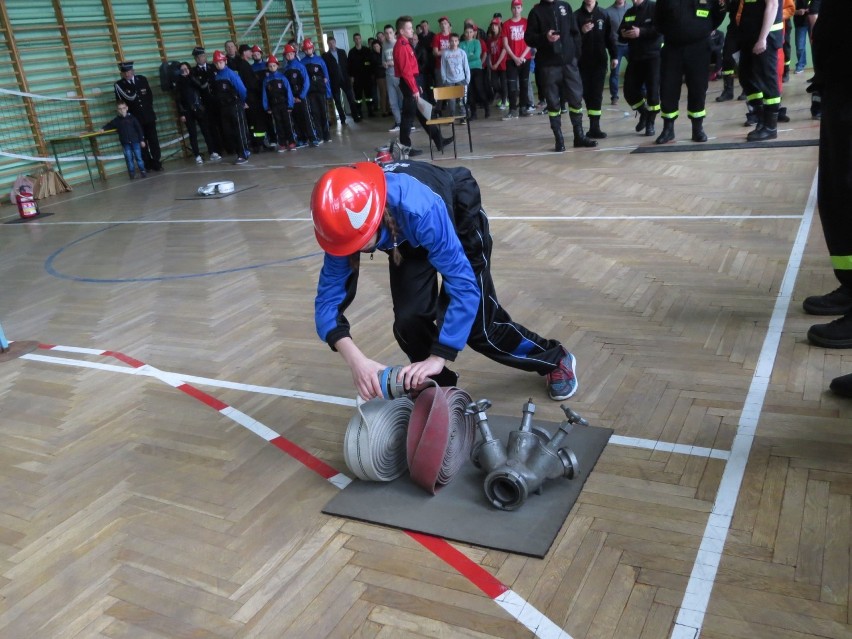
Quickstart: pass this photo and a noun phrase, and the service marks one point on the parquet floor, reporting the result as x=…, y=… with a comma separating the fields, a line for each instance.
x=131, y=509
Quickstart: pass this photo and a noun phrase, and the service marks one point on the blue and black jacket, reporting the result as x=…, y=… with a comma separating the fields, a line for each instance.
x=296, y=73
x=276, y=91
x=425, y=216
x=228, y=87
x=318, y=74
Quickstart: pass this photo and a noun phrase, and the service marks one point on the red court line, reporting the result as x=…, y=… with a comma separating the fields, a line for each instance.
x=202, y=397
x=478, y=576
x=135, y=363
x=303, y=456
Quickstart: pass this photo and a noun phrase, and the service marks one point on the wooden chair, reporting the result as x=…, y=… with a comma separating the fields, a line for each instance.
x=450, y=93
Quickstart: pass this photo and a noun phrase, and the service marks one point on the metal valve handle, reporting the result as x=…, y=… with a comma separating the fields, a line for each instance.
x=573, y=417
x=479, y=406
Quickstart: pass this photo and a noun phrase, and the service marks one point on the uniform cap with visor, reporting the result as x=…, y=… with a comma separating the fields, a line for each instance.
x=347, y=205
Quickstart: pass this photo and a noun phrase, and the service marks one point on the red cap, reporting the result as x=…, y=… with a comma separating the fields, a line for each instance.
x=256, y=49
x=218, y=56
x=517, y=3
x=289, y=48
x=307, y=44
x=496, y=21
x=271, y=60
x=442, y=18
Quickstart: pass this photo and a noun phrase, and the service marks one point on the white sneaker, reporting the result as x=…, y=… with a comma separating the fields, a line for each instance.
x=394, y=128
x=215, y=157
x=199, y=159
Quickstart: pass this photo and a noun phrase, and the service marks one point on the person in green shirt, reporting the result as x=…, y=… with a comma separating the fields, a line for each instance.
x=476, y=96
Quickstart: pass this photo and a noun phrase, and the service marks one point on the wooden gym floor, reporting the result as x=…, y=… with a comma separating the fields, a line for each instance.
x=722, y=505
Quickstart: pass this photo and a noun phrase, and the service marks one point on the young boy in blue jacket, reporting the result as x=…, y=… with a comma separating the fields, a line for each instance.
x=297, y=75
x=278, y=103
x=131, y=137
x=429, y=220
x=319, y=89
x=231, y=94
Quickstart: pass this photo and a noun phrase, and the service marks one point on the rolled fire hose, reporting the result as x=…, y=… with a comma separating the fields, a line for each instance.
x=440, y=436
x=374, y=444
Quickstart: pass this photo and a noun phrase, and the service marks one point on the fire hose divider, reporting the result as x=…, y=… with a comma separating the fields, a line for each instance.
x=374, y=444
x=440, y=436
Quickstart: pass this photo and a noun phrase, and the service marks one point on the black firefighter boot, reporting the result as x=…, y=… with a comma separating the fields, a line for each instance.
x=556, y=127
x=649, y=124
x=698, y=134
x=595, y=127
x=769, y=130
x=581, y=140
x=754, y=114
x=728, y=91
x=668, y=133
x=643, y=118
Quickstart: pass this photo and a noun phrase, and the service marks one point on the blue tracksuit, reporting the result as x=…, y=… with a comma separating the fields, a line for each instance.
x=442, y=229
x=423, y=221
x=296, y=73
x=317, y=74
x=229, y=75
x=278, y=89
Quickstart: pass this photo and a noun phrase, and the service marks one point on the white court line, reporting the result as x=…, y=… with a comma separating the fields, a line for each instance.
x=693, y=608
x=176, y=378
x=667, y=447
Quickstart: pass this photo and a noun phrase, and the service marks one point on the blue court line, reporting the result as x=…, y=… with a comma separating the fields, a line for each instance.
x=49, y=266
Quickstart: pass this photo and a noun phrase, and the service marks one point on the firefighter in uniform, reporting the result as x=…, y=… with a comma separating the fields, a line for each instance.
x=834, y=187
x=319, y=90
x=278, y=103
x=297, y=76
x=231, y=95
x=643, y=63
x=686, y=26
x=761, y=34
x=205, y=77
x=729, y=62
x=552, y=31
x=135, y=91
x=598, y=36
x=429, y=221
x=363, y=82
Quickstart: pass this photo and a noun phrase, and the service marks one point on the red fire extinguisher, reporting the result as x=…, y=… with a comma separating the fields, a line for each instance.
x=27, y=205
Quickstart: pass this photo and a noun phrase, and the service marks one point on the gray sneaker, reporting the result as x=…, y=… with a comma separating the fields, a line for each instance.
x=511, y=115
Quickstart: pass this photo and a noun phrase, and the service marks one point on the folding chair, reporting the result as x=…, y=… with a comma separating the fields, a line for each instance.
x=450, y=93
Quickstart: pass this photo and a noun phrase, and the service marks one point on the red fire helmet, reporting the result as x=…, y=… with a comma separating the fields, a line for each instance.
x=272, y=60
x=289, y=48
x=307, y=44
x=218, y=56
x=347, y=206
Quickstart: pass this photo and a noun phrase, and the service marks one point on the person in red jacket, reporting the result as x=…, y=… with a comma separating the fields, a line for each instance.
x=406, y=69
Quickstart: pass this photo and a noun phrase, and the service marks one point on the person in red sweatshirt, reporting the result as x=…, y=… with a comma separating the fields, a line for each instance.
x=406, y=69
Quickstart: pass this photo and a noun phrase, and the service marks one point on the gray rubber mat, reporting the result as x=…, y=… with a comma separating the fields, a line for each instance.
x=460, y=511
x=720, y=146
